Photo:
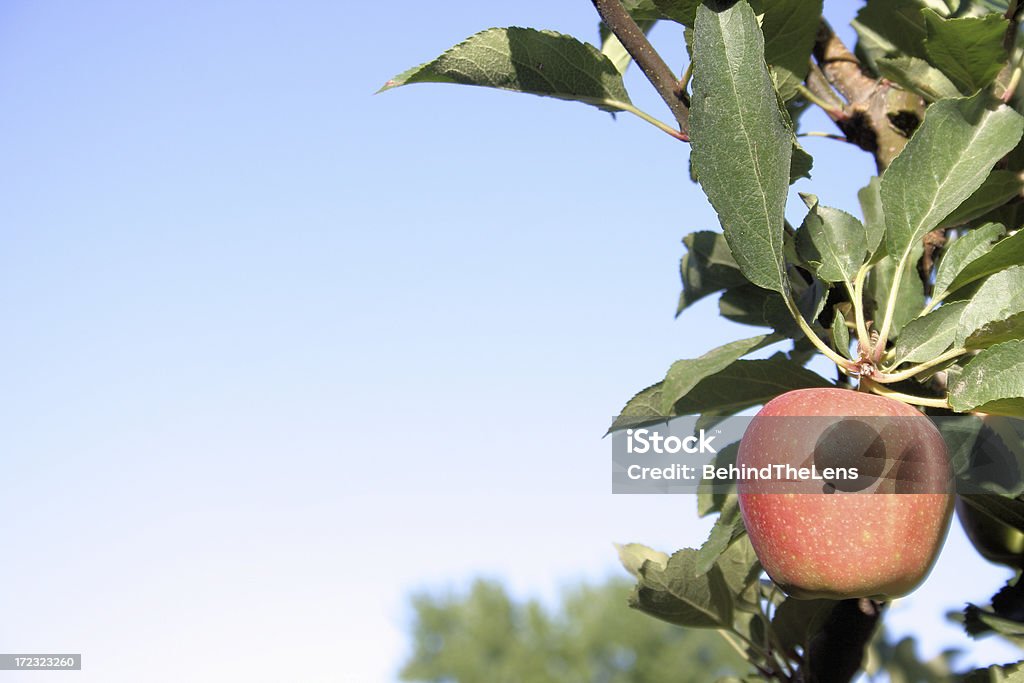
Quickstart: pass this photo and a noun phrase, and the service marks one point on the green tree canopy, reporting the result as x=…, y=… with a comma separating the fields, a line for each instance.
x=591, y=637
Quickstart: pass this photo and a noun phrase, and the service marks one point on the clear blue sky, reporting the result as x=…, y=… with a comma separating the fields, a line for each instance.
x=278, y=352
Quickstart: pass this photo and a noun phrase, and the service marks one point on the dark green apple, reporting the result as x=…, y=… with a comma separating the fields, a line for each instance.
x=994, y=540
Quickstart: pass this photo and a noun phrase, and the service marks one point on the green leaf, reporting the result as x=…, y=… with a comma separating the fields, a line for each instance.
x=526, y=60
x=993, y=382
x=979, y=8
x=893, y=27
x=728, y=527
x=969, y=50
x=801, y=163
x=963, y=250
x=633, y=555
x=917, y=76
x=1009, y=511
x=707, y=267
x=946, y=160
x=1005, y=253
x=999, y=188
x=840, y=334
x=682, y=11
x=1007, y=673
x=741, y=146
x=742, y=384
x=1010, y=214
x=1006, y=616
x=909, y=298
x=747, y=383
x=643, y=408
x=643, y=10
x=789, y=28
x=751, y=305
x=832, y=242
x=711, y=497
x=901, y=663
x=994, y=622
x=740, y=568
x=961, y=435
x=679, y=595
x=996, y=313
x=684, y=375
x=870, y=198
x=987, y=456
x=796, y=621
x=928, y=336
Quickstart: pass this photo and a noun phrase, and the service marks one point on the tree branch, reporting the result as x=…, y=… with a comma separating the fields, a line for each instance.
x=836, y=653
x=819, y=86
x=879, y=118
x=1013, y=16
x=618, y=21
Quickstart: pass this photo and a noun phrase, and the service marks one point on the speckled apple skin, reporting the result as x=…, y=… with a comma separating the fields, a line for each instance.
x=840, y=545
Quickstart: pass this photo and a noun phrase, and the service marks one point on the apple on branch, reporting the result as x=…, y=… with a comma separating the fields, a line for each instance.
x=876, y=535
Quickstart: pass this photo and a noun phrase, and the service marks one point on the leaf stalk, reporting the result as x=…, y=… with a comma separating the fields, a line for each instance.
x=660, y=125
x=890, y=310
x=845, y=364
x=881, y=390
x=889, y=377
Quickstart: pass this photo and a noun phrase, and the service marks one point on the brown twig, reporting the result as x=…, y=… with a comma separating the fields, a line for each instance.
x=1013, y=16
x=664, y=80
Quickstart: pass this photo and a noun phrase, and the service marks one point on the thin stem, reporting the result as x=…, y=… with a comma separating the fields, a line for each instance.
x=779, y=656
x=819, y=134
x=733, y=643
x=811, y=97
x=684, y=82
x=660, y=125
x=890, y=310
x=905, y=398
x=889, y=377
x=618, y=20
x=845, y=364
x=732, y=637
x=1011, y=87
x=857, y=299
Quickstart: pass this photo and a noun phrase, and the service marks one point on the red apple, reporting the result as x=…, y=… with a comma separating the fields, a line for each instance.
x=826, y=536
